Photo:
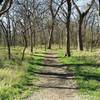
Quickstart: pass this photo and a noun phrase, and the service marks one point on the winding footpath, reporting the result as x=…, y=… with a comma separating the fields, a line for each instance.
x=55, y=82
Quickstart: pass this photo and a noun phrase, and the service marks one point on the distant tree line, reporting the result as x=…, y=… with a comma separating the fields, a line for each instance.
x=42, y=23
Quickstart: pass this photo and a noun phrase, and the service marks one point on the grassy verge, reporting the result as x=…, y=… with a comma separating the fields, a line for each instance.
x=16, y=77
x=86, y=67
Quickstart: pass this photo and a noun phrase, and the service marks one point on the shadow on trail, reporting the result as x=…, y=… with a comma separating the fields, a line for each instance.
x=59, y=75
x=67, y=65
x=47, y=53
x=46, y=56
x=56, y=76
x=56, y=87
x=50, y=61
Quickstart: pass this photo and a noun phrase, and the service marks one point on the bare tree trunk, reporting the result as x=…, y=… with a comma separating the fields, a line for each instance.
x=62, y=39
x=24, y=37
x=31, y=42
x=59, y=40
x=45, y=40
x=25, y=46
x=68, y=28
x=7, y=40
x=14, y=35
x=34, y=33
x=81, y=15
x=92, y=32
x=8, y=36
x=79, y=36
x=51, y=35
x=31, y=36
x=99, y=7
x=54, y=14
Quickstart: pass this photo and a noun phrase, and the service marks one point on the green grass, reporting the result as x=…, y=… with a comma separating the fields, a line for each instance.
x=86, y=68
x=16, y=77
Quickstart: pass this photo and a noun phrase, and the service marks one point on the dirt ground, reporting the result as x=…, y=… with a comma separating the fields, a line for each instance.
x=55, y=82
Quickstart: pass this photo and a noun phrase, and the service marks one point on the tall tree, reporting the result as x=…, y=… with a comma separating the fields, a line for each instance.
x=7, y=33
x=68, y=27
x=66, y=13
x=54, y=12
x=81, y=18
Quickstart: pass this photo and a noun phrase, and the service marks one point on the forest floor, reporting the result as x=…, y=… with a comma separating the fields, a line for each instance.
x=55, y=82
x=46, y=75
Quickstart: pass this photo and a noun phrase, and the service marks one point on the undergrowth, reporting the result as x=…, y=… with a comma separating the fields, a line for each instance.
x=17, y=77
x=86, y=68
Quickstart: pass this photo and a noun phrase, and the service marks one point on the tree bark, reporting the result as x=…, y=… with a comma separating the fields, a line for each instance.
x=79, y=35
x=25, y=46
x=99, y=7
x=81, y=17
x=68, y=28
x=51, y=34
x=8, y=36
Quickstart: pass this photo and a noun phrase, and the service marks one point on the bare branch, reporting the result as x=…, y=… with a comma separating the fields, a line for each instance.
x=6, y=6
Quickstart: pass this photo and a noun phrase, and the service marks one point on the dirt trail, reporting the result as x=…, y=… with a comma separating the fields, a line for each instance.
x=55, y=83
